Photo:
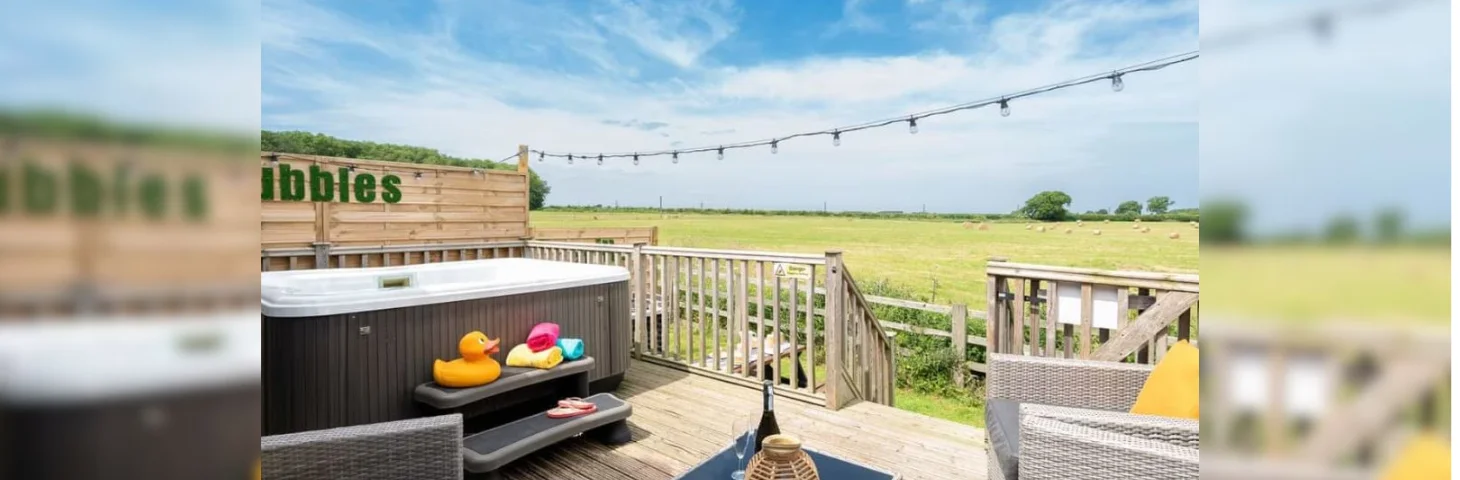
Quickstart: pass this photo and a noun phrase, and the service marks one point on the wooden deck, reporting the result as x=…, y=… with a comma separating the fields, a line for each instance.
x=680, y=418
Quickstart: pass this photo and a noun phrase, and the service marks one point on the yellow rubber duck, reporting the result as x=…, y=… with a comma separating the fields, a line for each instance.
x=475, y=367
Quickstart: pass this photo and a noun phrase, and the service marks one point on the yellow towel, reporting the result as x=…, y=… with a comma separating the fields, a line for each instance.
x=522, y=356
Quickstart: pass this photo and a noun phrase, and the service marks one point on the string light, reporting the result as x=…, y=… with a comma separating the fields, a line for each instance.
x=570, y=159
x=541, y=156
x=1116, y=83
x=418, y=175
x=636, y=159
x=1002, y=101
x=676, y=157
x=836, y=139
x=274, y=159
x=600, y=159
x=352, y=169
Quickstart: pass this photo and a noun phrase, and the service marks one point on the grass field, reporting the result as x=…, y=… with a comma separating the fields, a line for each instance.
x=940, y=260
x=944, y=262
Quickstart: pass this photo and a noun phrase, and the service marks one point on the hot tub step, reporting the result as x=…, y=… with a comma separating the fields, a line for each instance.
x=488, y=451
x=512, y=378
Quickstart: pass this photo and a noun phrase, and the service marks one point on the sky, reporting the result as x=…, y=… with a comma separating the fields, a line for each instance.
x=476, y=79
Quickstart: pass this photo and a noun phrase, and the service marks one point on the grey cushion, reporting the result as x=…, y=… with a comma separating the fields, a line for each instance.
x=1001, y=418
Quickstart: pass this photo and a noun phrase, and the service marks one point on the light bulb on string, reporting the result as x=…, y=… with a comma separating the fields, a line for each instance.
x=774, y=148
x=352, y=169
x=1116, y=83
x=720, y=153
x=541, y=156
x=836, y=139
x=675, y=157
x=274, y=159
x=418, y=176
x=636, y=159
x=1004, y=107
x=600, y=159
x=570, y=159
x=912, y=125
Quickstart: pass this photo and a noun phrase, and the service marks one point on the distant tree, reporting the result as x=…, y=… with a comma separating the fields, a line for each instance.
x=1341, y=229
x=1158, y=205
x=1223, y=222
x=1128, y=207
x=1102, y=212
x=1048, y=205
x=1389, y=225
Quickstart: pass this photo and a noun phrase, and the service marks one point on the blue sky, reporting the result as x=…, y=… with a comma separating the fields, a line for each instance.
x=477, y=78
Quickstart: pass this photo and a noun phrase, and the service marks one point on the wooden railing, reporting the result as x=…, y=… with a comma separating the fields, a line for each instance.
x=746, y=316
x=324, y=255
x=1320, y=397
x=1088, y=313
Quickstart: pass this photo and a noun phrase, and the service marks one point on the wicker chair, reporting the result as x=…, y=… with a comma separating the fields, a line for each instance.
x=1073, y=422
x=420, y=448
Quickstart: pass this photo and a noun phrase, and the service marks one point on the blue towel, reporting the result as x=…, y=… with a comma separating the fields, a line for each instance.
x=572, y=348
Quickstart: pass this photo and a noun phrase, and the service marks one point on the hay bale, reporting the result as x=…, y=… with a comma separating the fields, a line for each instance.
x=1135, y=227
x=1146, y=230
x=1041, y=229
x=983, y=226
x=1174, y=236
x=967, y=224
x=1138, y=220
x=1096, y=232
x=1028, y=226
x=1079, y=223
x=1107, y=220
x=1069, y=231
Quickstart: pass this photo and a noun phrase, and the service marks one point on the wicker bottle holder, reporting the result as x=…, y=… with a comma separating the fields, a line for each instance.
x=781, y=458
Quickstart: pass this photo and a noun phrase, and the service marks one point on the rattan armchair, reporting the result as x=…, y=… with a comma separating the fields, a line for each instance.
x=421, y=448
x=1073, y=422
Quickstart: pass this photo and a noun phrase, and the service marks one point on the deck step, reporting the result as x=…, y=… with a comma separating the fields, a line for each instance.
x=492, y=449
x=512, y=378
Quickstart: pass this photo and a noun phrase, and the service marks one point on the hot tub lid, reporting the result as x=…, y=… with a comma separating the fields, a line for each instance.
x=99, y=359
x=311, y=293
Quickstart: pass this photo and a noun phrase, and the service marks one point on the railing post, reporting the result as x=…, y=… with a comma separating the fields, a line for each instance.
x=960, y=342
x=835, y=334
x=636, y=276
x=321, y=255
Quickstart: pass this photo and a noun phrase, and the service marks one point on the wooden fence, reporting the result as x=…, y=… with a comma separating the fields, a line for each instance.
x=1088, y=313
x=611, y=236
x=435, y=205
x=1339, y=395
x=101, y=228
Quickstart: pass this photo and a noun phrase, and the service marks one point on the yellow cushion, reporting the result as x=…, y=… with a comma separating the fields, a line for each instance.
x=1425, y=457
x=1174, y=387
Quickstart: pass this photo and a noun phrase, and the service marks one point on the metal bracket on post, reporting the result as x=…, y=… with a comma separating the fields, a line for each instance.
x=321, y=254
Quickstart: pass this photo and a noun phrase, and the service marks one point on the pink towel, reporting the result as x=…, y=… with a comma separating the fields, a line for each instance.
x=543, y=337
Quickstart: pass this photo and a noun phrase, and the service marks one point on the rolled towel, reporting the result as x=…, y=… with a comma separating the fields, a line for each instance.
x=542, y=337
x=523, y=356
x=572, y=348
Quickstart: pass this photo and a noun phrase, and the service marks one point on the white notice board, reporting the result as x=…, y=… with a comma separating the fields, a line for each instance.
x=1071, y=309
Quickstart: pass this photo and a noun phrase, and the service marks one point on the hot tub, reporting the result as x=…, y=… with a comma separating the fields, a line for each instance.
x=348, y=346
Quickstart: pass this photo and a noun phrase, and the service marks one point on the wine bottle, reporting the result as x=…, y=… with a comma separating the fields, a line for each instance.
x=767, y=426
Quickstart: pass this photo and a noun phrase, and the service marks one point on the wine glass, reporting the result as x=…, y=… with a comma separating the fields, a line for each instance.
x=744, y=436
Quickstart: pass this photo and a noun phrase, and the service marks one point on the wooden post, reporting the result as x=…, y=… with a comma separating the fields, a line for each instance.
x=991, y=323
x=654, y=235
x=960, y=341
x=835, y=334
x=638, y=278
x=522, y=155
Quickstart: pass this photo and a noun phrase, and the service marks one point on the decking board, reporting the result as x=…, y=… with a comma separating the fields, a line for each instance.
x=681, y=418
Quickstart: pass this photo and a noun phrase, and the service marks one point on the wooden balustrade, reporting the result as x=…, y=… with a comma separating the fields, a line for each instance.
x=1088, y=313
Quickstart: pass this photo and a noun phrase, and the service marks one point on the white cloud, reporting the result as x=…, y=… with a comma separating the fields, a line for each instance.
x=459, y=101
x=1304, y=129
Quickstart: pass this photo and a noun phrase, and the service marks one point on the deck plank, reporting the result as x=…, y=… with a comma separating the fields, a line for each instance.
x=681, y=418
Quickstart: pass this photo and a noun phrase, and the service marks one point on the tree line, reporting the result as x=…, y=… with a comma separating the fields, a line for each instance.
x=1052, y=206
x=1174, y=216
x=306, y=143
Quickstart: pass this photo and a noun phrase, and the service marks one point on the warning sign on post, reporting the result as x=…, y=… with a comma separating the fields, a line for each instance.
x=793, y=270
